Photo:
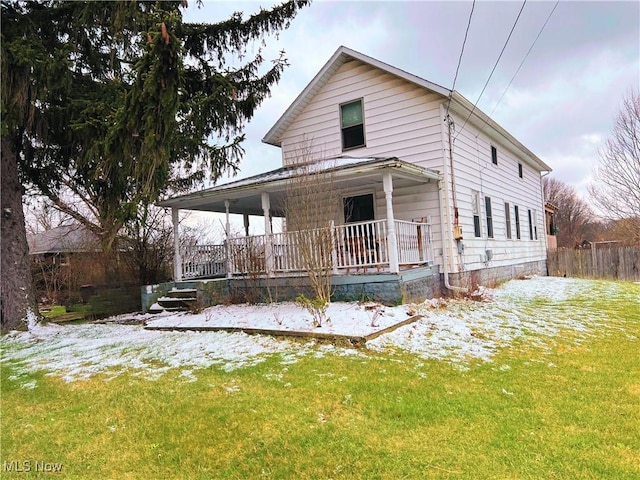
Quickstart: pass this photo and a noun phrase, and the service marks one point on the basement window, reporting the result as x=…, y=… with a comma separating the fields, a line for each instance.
x=352, y=125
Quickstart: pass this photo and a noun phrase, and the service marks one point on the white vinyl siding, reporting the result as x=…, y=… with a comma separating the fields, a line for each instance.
x=404, y=120
x=474, y=171
x=401, y=119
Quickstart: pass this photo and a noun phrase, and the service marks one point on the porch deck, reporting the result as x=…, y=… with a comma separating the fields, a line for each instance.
x=354, y=248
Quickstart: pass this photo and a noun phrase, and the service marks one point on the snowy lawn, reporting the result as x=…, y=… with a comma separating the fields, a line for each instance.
x=540, y=379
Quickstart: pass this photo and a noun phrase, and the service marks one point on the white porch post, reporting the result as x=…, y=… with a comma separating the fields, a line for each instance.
x=227, y=224
x=177, y=260
x=392, y=241
x=227, y=231
x=334, y=249
x=268, y=246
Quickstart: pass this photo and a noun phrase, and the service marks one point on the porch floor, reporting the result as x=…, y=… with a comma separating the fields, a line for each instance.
x=348, y=322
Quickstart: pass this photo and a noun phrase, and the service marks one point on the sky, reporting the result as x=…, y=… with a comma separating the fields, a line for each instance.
x=561, y=105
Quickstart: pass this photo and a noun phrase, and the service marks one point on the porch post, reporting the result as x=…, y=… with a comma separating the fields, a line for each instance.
x=177, y=260
x=227, y=224
x=245, y=218
x=392, y=241
x=227, y=244
x=268, y=245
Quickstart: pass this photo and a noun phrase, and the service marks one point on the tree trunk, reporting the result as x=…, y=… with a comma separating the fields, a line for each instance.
x=17, y=300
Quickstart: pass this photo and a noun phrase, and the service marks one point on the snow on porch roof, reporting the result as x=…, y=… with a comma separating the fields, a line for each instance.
x=245, y=194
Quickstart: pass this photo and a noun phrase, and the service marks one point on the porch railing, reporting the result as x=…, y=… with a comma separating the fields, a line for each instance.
x=414, y=243
x=204, y=261
x=342, y=248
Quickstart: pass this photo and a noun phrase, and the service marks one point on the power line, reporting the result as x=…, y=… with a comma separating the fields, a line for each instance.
x=464, y=42
x=493, y=70
x=525, y=58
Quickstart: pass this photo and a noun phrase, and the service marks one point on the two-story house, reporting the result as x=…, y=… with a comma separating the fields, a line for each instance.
x=424, y=193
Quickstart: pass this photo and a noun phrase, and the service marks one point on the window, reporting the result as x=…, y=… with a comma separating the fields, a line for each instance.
x=494, y=155
x=487, y=206
x=507, y=218
x=517, y=214
x=352, y=125
x=535, y=225
x=520, y=170
x=530, y=225
x=358, y=209
x=475, y=207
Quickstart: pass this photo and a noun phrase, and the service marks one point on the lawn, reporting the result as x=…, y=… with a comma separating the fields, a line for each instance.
x=537, y=385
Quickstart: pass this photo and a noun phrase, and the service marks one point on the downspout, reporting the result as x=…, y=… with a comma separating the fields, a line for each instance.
x=445, y=219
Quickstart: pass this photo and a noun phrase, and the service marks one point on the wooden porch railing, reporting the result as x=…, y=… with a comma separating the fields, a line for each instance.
x=204, y=261
x=342, y=248
x=414, y=243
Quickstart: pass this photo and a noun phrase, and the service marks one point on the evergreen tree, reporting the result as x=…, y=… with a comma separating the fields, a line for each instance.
x=107, y=104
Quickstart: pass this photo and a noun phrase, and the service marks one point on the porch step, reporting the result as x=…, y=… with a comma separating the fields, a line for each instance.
x=183, y=293
x=178, y=300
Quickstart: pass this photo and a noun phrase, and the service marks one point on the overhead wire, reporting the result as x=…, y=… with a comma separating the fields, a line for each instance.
x=523, y=60
x=493, y=70
x=464, y=42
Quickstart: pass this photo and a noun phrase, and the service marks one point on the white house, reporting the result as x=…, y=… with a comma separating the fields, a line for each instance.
x=435, y=194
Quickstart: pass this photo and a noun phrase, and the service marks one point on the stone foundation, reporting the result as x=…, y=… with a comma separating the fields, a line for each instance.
x=491, y=277
x=390, y=289
x=414, y=285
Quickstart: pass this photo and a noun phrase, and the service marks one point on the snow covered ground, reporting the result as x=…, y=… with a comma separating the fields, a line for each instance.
x=348, y=319
x=455, y=331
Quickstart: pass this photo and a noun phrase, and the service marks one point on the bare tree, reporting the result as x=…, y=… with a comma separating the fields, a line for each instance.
x=574, y=215
x=312, y=204
x=40, y=215
x=616, y=191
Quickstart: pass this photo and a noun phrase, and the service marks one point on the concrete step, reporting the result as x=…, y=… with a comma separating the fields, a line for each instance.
x=183, y=293
x=176, y=303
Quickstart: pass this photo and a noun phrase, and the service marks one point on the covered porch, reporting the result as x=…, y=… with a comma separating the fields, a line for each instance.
x=342, y=245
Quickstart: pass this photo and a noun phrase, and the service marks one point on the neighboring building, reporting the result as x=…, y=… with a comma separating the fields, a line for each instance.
x=58, y=244
x=435, y=194
x=63, y=259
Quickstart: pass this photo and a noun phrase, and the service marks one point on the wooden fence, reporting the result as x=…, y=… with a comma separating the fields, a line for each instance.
x=617, y=263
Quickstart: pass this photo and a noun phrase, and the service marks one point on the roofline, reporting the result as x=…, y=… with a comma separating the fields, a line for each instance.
x=466, y=107
x=339, y=172
x=338, y=59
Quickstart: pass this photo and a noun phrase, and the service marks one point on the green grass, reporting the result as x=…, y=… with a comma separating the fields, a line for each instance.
x=570, y=410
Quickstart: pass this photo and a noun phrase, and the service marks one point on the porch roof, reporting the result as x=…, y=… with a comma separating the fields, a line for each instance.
x=245, y=196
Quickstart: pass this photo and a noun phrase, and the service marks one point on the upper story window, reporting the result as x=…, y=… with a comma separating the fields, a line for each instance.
x=494, y=155
x=352, y=125
x=520, y=170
